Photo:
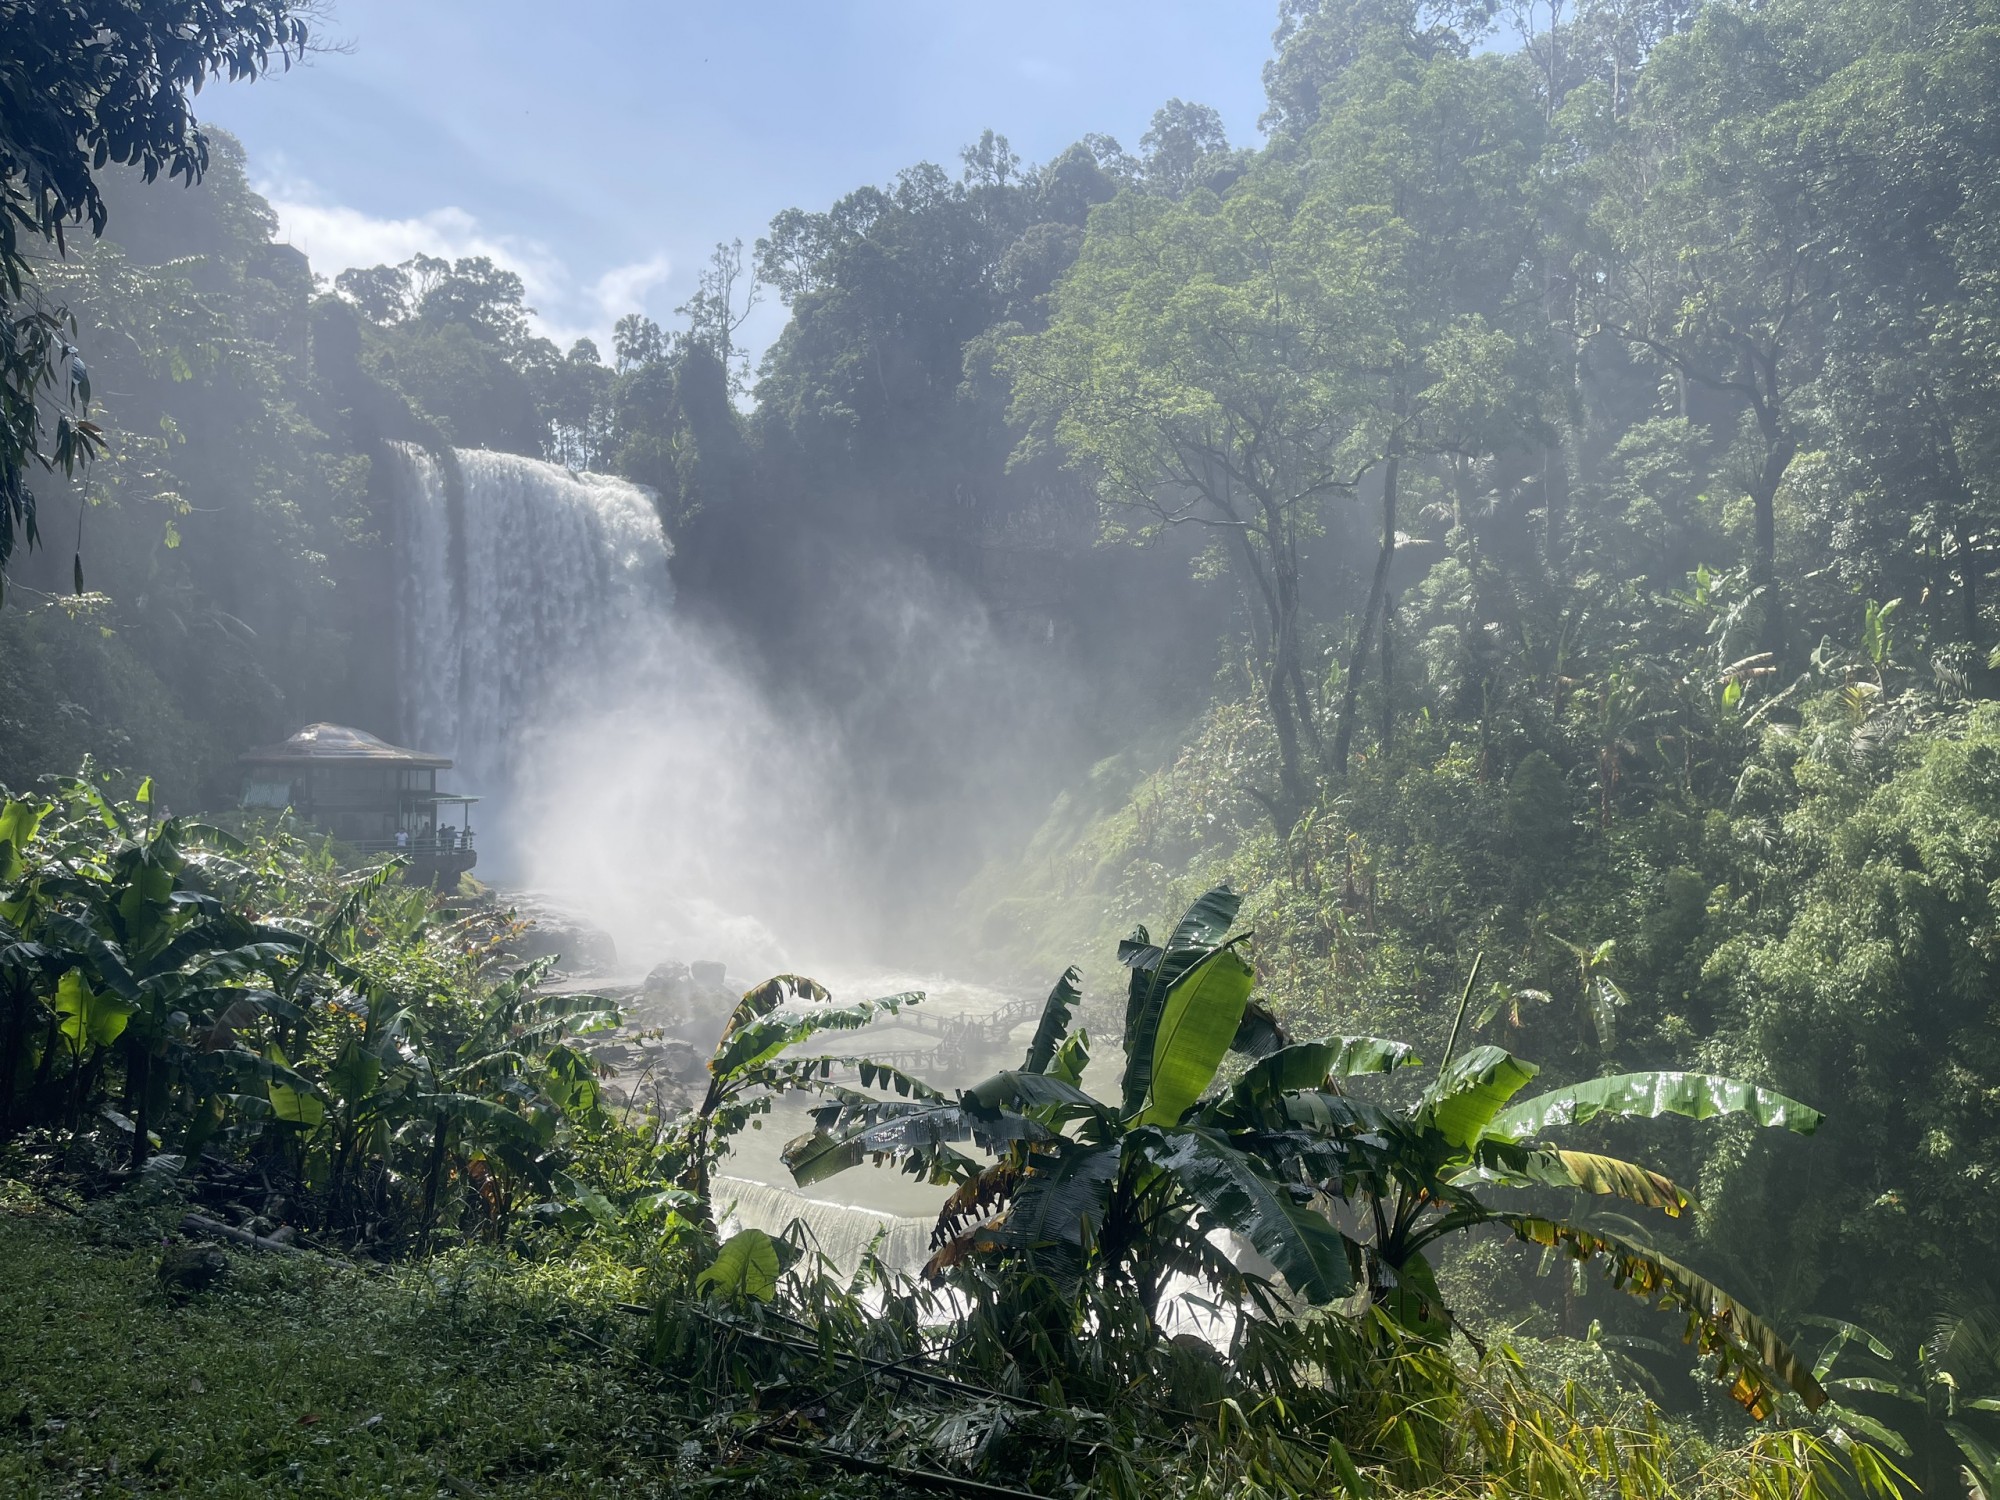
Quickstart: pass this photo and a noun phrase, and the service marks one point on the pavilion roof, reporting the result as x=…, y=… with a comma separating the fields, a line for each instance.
x=319, y=743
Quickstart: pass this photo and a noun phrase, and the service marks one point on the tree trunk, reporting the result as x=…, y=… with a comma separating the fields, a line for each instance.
x=1280, y=588
x=1764, y=500
x=1778, y=454
x=1378, y=592
x=1555, y=500
x=1388, y=673
x=138, y=1088
x=1968, y=573
x=433, y=1180
x=1293, y=796
x=12, y=1055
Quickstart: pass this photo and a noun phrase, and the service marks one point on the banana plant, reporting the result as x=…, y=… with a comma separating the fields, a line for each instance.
x=143, y=958
x=1126, y=1192
x=1336, y=1194
x=420, y=1097
x=747, y=1069
x=1940, y=1406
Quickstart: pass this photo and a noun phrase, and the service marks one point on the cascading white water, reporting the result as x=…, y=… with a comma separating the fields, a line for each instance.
x=842, y=1232
x=630, y=773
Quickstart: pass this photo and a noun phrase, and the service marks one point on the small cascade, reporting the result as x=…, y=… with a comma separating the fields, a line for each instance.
x=842, y=1231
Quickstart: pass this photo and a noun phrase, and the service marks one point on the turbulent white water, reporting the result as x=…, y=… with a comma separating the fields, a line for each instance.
x=630, y=774
x=626, y=770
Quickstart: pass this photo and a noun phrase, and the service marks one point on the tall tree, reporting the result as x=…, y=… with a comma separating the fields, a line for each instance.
x=1720, y=240
x=1206, y=359
x=1439, y=150
x=85, y=83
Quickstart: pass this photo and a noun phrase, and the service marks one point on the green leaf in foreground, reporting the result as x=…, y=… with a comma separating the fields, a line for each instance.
x=1463, y=1100
x=1746, y=1347
x=745, y=1266
x=1196, y=1027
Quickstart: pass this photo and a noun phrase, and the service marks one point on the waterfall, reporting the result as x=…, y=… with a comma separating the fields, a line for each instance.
x=629, y=770
x=519, y=579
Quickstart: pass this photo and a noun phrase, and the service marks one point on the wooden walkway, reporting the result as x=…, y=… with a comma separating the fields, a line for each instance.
x=961, y=1040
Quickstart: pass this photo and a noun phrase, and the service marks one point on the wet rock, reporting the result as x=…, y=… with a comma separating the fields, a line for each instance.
x=670, y=982
x=575, y=943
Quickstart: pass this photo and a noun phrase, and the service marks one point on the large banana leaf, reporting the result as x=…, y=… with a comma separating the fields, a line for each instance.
x=1303, y=1065
x=1306, y=1067
x=1060, y=1098
x=1196, y=1026
x=1328, y=1113
x=107, y=963
x=18, y=822
x=898, y=1129
x=1054, y=1025
x=90, y=1018
x=1582, y=1170
x=1748, y=1351
x=1071, y=1058
x=1462, y=1101
x=1155, y=972
x=1982, y=1458
x=1061, y=1201
x=1306, y=1249
x=760, y=1002
x=760, y=1040
x=816, y=1156
x=1699, y=1096
x=1258, y=1035
x=293, y=1105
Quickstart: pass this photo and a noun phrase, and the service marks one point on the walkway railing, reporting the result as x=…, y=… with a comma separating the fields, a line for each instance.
x=459, y=843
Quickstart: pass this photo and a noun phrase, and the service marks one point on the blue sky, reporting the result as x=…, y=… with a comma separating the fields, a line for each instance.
x=601, y=147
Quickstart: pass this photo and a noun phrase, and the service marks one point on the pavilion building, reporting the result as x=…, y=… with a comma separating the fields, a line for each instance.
x=371, y=795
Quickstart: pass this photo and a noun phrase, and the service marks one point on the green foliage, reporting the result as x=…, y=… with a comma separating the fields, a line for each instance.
x=351, y=1037
x=1661, y=349
x=1937, y=1409
x=745, y=1266
x=746, y=1071
x=1112, y=1202
x=469, y=1374
x=90, y=83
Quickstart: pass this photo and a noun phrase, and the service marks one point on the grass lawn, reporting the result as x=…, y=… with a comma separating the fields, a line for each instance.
x=300, y=1376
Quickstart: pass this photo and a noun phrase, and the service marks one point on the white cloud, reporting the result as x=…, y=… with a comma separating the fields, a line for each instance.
x=336, y=237
x=623, y=288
